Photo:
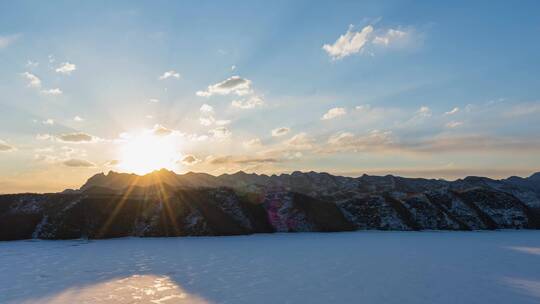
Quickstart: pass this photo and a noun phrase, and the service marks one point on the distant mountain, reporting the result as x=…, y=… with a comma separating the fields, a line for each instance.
x=163, y=203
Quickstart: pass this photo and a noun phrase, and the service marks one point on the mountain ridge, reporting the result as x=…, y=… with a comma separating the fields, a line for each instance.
x=191, y=174
x=164, y=203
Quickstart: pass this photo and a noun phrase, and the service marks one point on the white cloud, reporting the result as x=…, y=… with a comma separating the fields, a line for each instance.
x=66, y=68
x=420, y=116
x=33, y=80
x=196, y=137
x=6, y=41
x=341, y=137
x=350, y=43
x=333, y=113
x=78, y=118
x=48, y=121
x=454, y=124
x=220, y=132
x=222, y=122
x=280, y=131
x=353, y=42
x=474, y=143
x=153, y=100
x=207, y=117
x=5, y=147
x=248, y=103
x=452, y=112
x=52, y=92
x=470, y=107
x=160, y=130
x=389, y=37
x=81, y=163
x=254, y=142
x=348, y=142
x=44, y=136
x=190, y=160
x=210, y=120
x=112, y=163
x=205, y=108
x=231, y=160
x=64, y=154
x=300, y=141
x=31, y=64
x=77, y=137
x=363, y=108
x=206, y=121
x=169, y=74
x=234, y=85
x=524, y=109
x=423, y=112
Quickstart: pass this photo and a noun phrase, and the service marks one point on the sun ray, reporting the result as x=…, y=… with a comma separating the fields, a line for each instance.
x=165, y=199
x=119, y=205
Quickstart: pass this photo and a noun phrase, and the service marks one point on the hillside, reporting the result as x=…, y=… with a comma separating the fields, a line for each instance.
x=163, y=203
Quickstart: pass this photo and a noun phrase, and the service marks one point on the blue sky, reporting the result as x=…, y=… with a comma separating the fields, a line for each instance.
x=412, y=88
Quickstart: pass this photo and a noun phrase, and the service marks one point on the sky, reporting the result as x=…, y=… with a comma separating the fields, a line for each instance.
x=410, y=88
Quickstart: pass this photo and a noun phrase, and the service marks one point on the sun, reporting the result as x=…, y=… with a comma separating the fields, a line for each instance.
x=147, y=152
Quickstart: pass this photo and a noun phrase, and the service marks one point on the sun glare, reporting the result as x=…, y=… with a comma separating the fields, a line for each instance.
x=148, y=152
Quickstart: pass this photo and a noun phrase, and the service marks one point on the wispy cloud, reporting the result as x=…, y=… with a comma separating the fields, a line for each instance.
x=190, y=160
x=33, y=80
x=207, y=117
x=390, y=37
x=5, y=147
x=78, y=163
x=206, y=109
x=454, y=124
x=229, y=159
x=420, y=116
x=452, y=112
x=207, y=121
x=235, y=85
x=220, y=132
x=252, y=143
x=333, y=113
x=52, y=92
x=48, y=121
x=353, y=42
x=349, y=43
x=77, y=137
x=7, y=40
x=112, y=163
x=424, y=112
x=66, y=68
x=349, y=142
x=31, y=64
x=472, y=143
x=170, y=74
x=248, y=103
x=160, y=130
x=300, y=141
x=280, y=131
x=524, y=109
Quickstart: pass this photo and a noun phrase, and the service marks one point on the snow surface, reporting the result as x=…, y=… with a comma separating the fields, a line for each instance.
x=350, y=267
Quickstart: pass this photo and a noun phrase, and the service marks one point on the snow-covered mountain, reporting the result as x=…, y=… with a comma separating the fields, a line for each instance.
x=163, y=203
